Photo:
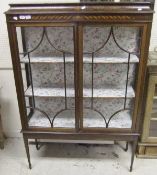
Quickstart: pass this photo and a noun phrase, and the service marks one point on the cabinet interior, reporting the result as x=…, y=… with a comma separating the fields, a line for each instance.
x=110, y=64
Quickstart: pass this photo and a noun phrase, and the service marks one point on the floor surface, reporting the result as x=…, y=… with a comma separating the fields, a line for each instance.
x=71, y=159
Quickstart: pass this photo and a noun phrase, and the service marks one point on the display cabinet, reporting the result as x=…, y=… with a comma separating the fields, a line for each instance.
x=147, y=147
x=80, y=69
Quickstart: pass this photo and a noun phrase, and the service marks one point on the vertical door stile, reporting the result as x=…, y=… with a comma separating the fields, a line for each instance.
x=78, y=59
x=137, y=113
x=80, y=53
x=17, y=74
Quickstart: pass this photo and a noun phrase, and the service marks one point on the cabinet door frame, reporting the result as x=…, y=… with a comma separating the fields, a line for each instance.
x=140, y=79
x=78, y=39
x=18, y=73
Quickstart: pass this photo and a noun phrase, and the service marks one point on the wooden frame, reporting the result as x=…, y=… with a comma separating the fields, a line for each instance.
x=73, y=14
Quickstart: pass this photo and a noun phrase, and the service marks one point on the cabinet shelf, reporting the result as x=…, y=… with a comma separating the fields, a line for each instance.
x=97, y=93
x=116, y=60
x=67, y=119
x=153, y=119
x=154, y=115
x=155, y=96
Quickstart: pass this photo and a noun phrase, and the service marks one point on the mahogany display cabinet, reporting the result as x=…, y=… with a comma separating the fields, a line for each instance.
x=80, y=69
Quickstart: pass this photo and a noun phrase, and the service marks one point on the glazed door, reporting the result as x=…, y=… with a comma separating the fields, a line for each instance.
x=150, y=120
x=48, y=67
x=81, y=76
x=110, y=61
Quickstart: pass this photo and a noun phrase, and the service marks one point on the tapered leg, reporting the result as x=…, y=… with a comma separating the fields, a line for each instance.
x=1, y=136
x=133, y=154
x=37, y=144
x=27, y=151
x=126, y=148
x=1, y=144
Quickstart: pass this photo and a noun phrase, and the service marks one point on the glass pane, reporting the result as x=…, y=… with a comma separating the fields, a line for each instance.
x=153, y=129
x=154, y=105
x=154, y=109
x=109, y=68
x=47, y=59
x=155, y=94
